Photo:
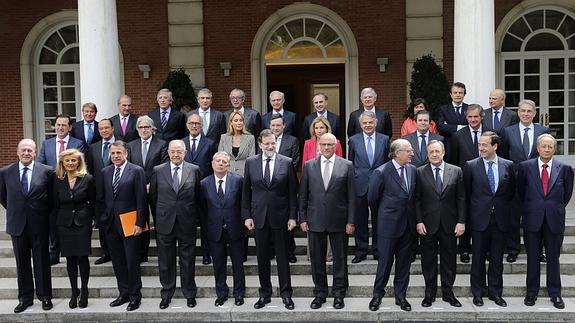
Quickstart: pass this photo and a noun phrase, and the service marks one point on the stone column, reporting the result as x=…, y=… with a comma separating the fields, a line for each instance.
x=474, y=48
x=99, y=55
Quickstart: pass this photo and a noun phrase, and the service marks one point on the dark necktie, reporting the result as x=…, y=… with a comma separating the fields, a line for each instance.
x=90, y=134
x=176, y=179
x=402, y=177
x=438, y=181
x=369, y=151
x=106, y=153
x=475, y=143
x=544, y=179
x=220, y=189
x=193, y=152
x=25, y=180
x=267, y=174
x=457, y=111
x=495, y=119
x=526, y=143
x=116, y=181
x=491, y=176
x=164, y=120
x=423, y=148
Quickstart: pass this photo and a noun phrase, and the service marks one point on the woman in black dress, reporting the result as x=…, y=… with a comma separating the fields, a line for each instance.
x=74, y=196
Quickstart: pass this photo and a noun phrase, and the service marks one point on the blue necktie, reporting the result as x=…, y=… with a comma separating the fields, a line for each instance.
x=369, y=151
x=423, y=148
x=25, y=180
x=116, y=181
x=267, y=173
x=90, y=134
x=164, y=119
x=402, y=177
x=438, y=181
x=495, y=119
x=491, y=176
x=176, y=180
x=106, y=153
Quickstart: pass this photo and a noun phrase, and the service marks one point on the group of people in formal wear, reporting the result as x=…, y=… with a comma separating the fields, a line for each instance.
x=463, y=184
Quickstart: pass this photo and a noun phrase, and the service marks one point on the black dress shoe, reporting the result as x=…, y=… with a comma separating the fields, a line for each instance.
x=464, y=257
x=288, y=303
x=374, y=304
x=529, y=300
x=22, y=306
x=403, y=304
x=317, y=302
x=375, y=257
x=498, y=301
x=477, y=301
x=452, y=301
x=292, y=259
x=191, y=302
x=511, y=258
x=119, y=301
x=413, y=258
x=165, y=303
x=220, y=301
x=73, y=303
x=262, y=302
x=83, y=302
x=134, y=305
x=54, y=261
x=144, y=259
x=542, y=258
x=558, y=302
x=239, y=301
x=427, y=301
x=102, y=260
x=358, y=259
x=338, y=303
x=47, y=305
x=206, y=260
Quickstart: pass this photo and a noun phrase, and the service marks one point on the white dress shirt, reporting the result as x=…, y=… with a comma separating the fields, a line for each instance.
x=28, y=173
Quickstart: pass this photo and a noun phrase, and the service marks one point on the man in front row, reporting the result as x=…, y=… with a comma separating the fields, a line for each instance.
x=326, y=209
x=441, y=212
x=545, y=186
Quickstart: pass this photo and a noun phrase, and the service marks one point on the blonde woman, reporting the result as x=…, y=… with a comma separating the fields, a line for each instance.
x=237, y=142
x=318, y=127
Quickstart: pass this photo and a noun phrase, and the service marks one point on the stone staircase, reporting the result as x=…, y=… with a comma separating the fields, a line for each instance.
x=361, y=277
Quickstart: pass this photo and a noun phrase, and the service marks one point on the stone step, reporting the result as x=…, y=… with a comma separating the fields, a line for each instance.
x=356, y=309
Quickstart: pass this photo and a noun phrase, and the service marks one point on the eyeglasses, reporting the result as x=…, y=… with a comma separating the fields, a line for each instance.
x=144, y=127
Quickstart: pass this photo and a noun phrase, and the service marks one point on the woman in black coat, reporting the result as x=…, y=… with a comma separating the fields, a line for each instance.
x=74, y=197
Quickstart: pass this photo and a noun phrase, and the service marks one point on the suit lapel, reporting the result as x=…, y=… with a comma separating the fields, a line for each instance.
x=469, y=142
x=393, y=172
x=554, y=175
x=429, y=177
x=243, y=146
x=413, y=139
x=378, y=150
x=316, y=172
x=447, y=175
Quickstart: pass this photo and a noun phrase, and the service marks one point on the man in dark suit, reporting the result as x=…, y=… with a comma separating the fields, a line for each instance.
x=367, y=151
x=421, y=137
x=174, y=191
x=87, y=128
x=441, y=212
x=222, y=202
x=252, y=118
x=25, y=189
x=490, y=186
x=320, y=105
x=451, y=116
x=518, y=144
x=170, y=123
x=326, y=210
x=269, y=205
x=498, y=117
x=125, y=122
x=391, y=196
x=545, y=187
x=124, y=191
x=368, y=98
x=277, y=101
x=51, y=148
x=213, y=121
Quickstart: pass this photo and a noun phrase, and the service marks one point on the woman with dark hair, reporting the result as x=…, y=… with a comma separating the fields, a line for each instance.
x=409, y=125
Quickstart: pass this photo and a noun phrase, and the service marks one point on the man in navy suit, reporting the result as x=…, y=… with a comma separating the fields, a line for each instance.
x=451, y=116
x=124, y=191
x=51, y=148
x=367, y=151
x=87, y=128
x=368, y=98
x=490, y=186
x=213, y=121
x=222, y=202
x=170, y=123
x=320, y=105
x=518, y=144
x=125, y=122
x=252, y=118
x=421, y=137
x=277, y=101
x=545, y=187
x=499, y=116
x=25, y=189
x=391, y=197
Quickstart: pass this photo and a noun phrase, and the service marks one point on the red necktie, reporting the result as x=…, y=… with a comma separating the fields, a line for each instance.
x=61, y=149
x=545, y=179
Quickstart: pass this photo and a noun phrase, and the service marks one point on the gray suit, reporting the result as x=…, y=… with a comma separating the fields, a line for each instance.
x=247, y=149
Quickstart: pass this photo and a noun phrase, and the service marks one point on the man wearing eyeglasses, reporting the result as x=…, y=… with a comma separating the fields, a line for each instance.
x=252, y=118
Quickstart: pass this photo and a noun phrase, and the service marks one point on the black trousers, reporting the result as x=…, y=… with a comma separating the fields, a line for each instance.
x=447, y=244
x=491, y=241
x=390, y=249
x=265, y=237
x=362, y=228
x=125, y=253
x=218, y=250
x=318, y=250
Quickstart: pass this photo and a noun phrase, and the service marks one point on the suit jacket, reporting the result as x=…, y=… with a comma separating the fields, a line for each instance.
x=333, y=121
x=218, y=124
x=289, y=122
x=182, y=207
x=506, y=119
x=252, y=120
x=78, y=132
x=462, y=148
x=74, y=206
x=157, y=154
x=32, y=209
x=205, y=150
x=440, y=209
x=175, y=127
x=328, y=209
x=537, y=206
x=289, y=147
x=276, y=202
x=383, y=122
x=481, y=201
x=393, y=205
x=511, y=143
x=448, y=120
x=413, y=139
x=47, y=155
x=223, y=212
x=131, y=131
x=247, y=149
x=358, y=156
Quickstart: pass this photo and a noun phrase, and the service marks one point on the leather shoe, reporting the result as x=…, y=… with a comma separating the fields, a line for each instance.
x=262, y=302
x=558, y=302
x=317, y=302
x=498, y=301
x=403, y=304
x=358, y=259
x=452, y=301
x=529, y=300
x=102, y=260
x=374, y=304
x=288, y=302
x=206, y=260
x=54, y=261
x=164, y=303
x=119, y=301
x=477, y=301
x=47, y=305
x=191, y=302
x=464, y=257
x=220, y=301
x=21, y=307
x=144, y=259
x=338, y=303
x=134, y=305
x=512, y=257
x=542, y=258
x=292, y=259
x=239, y=301
x=427, y=301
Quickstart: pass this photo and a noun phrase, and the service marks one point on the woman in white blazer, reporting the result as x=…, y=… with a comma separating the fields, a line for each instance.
x=237, y=142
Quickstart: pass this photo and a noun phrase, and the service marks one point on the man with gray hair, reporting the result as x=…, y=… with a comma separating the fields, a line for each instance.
x=213, y=121
x=252, y=118
x=499, y=116
x=124, y=123
x=277, y=100
x=170, y=123
x=368, y=98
